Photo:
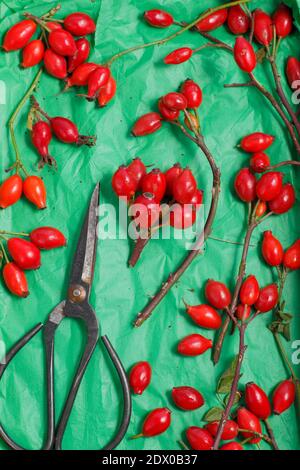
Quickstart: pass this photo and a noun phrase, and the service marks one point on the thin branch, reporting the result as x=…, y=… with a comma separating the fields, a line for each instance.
x=271, y=435
x=285, y=163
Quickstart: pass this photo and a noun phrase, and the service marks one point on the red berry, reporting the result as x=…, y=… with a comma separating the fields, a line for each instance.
x=147, y=124
x=33, y=53
x=245, y=185
x=107, y=93
x=179, y=56
x=15, y=280
x=81, y=74
x=167, y=113
x=217, y=294
x=55, y=64
x=283, y=21
x=184, y=187
x=247, y=420
x=175, y=101
x=62, y=42
x=24, y=253
x=284, y=396
x=269, y=186
x=257, y=401
x=291, y=258
x=232, y=446
x=197, y=199
x=53, y=26
x=41, y=136
x=213, y=21
x=230, y=430
x=146, y=211
x=284, y=201
x=204, y=316
x=243, y=312
x=194, y=345
x=261, y=209
x=34, y=190
x=18, y=35
x=187, y=398
x=293, y=72
x=138, y=171
x=158, y=18
x=182, y=216
x=66, y=131
x=140, y=377
x=256, y=142
x=244, y=55
x=124, y=183
x=97, y=80
x=155, y=183
x=272, y=249
x=81, y=55
x=238, y=21
x=79, y=24
x=263, y=27
x=199, y=438
x=157, y=422
x=192, y=92
x=47, y=238
x=10, y=191
x=249, y=292
x=259, y=162
x=171, y=175
x=268, y=298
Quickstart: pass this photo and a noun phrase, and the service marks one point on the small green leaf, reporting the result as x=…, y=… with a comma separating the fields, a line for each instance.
x=225, y=382
x=287, y=332
x=260, y=55
x=214, y=414
x=237, y=398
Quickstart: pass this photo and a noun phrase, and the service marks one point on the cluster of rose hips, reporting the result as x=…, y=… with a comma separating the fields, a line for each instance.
x=269, y=190
x=63, y=129
x=274, y=254
x=26, y=256
x=33, y=188
x=176, y=185
x=170, y=106
x=63, y=55
x=239, y=23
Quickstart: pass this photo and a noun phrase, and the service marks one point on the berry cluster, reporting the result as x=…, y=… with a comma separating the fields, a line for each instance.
x=33, y=188
x=274, y=254
x=26, y=255
x=269, y=191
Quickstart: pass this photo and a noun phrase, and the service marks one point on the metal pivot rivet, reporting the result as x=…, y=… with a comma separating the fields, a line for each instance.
x=77, y=294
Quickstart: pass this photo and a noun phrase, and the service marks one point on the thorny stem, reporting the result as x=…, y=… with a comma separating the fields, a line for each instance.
x=178, y=33
x=19, y=164
x=174, y=277
x=234, y=386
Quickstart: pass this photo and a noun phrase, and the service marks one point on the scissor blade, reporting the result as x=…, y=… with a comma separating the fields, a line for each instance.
x=85, y=255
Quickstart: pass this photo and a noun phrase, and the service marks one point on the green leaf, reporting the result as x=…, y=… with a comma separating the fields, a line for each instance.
x=287, y=332
x=237, y=398
x=214, y=414
x=225, y=382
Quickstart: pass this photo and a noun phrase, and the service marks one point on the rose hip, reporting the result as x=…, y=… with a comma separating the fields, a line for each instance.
x=182, y=216
x=79, y=24
x=261, y=209
x=291, y=258
x=245, y=185
x=167, y=113
x=81, y=55
x=178, y=56
x=53, y=26
x=259, y=162
x=55, y=64
x=192, y=92
x=284, y=201
x=33, y=53
x=232, y=446
x=19, y=35
x=184, y=187
x=34, y=190
x=154, y=183
x=158, y=18
x=272, y=249
x=194, y=345
x=217, y=294
x=124, y=183
x=293, y=72
x=204, y=316
x=256, y=142
x=147, y=124
x=283, y=21
x=175, y=101
x=263, y=28
x=66, y=131
x=107, y=93
x=15, y=280
x=157, y=422
x=243, y=312
x=187, y=398
x=96, y=80
x=47, y=238
x=257, y=401
x=199, y=438
x=238, y=21
x=247, y=420
x=244, y=55
x=62, y=42
x=147, y=215
x=138, y=171
x=284, y=396
x=269, y=186
x=41, y=136
x=268, y=298
x=140, y=377
x=24, y=253
x=249, y=292
x=10, y=191
x=213, y=21
x=171, y=175
x=230, y=430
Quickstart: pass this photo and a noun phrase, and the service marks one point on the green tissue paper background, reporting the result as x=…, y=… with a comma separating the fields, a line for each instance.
x=119, y=292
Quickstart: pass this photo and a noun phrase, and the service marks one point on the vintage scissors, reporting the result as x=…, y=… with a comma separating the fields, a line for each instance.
x=75, y=306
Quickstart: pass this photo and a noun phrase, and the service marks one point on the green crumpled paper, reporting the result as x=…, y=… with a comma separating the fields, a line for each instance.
x=119, y=292
x=295, y=5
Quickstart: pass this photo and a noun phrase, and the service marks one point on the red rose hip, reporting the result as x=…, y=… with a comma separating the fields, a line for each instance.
x=187, y=398
x=140, y=377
